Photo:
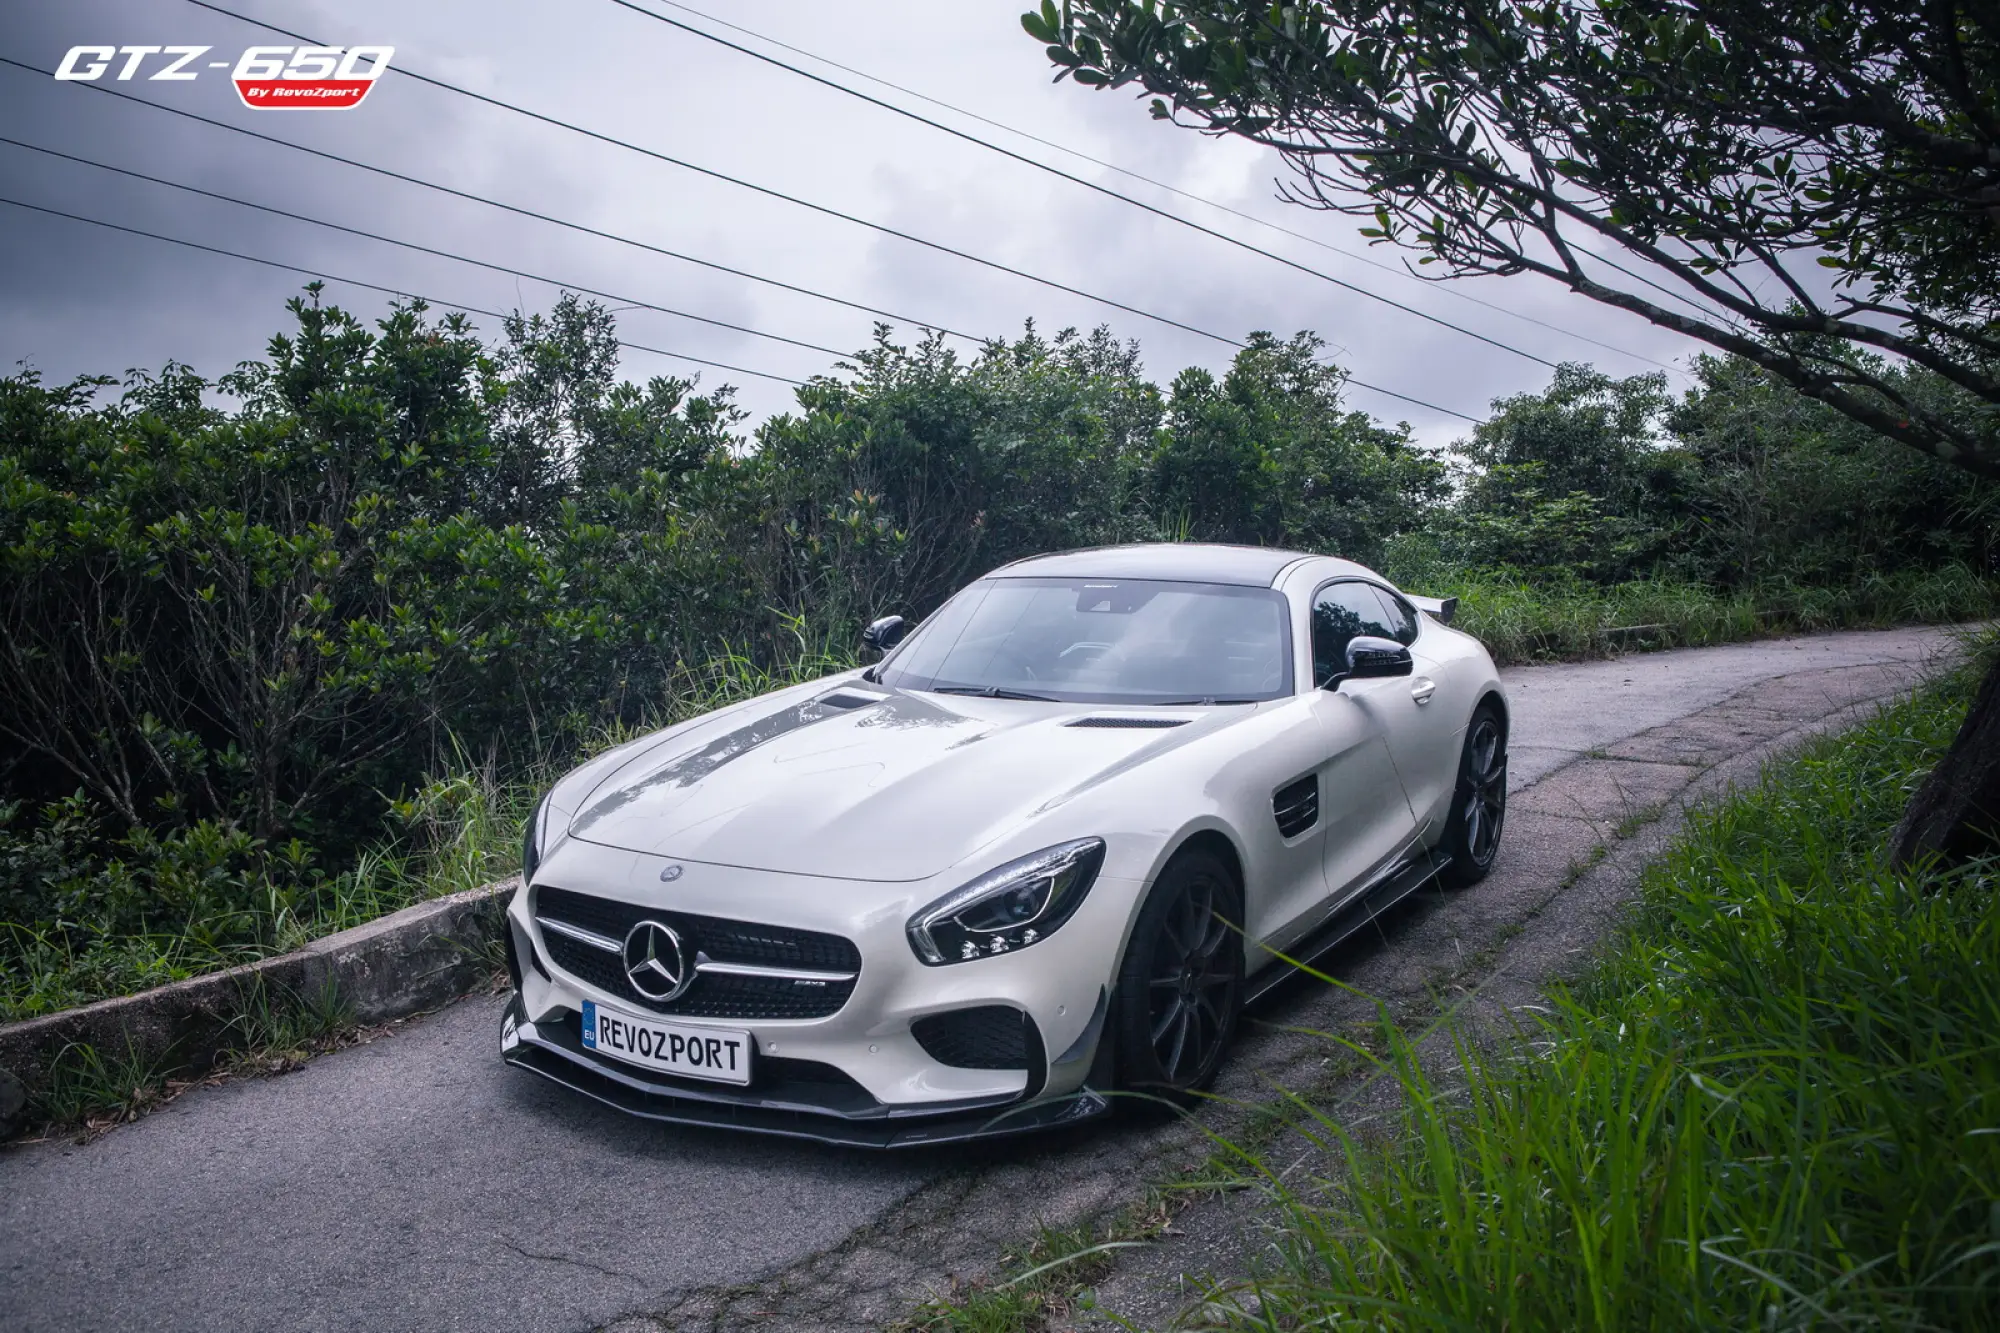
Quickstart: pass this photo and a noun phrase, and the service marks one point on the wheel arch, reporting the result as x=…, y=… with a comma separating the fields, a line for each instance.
x=1209, y=834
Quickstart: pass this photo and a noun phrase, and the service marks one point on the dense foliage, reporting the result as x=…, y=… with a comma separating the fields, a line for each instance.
x=242, y=622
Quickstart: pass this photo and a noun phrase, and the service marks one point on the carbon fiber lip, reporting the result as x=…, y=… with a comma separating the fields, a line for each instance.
x=858, y=1124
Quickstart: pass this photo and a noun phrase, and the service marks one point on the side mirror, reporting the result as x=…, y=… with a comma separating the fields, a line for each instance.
x=1369, y=658
x=885, y=633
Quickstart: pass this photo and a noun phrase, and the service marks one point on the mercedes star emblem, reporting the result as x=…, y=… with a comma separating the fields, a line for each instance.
x=670, y=874
x=655, y=962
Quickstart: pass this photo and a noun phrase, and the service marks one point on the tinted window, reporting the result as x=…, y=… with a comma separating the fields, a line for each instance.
x=1399, y=616
x=1339, y=613
x=1102, y=641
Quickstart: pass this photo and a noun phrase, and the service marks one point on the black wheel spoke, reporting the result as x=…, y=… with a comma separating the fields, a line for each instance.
x=1172, y=1063
x=1212, y=940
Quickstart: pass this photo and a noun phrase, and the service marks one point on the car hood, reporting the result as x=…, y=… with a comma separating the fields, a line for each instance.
x=886, y=785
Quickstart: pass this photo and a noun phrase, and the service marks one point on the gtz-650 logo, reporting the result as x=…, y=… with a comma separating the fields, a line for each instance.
x=319, y=78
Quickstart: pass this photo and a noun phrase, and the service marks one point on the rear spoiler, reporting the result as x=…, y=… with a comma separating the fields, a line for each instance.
x=1441, y=609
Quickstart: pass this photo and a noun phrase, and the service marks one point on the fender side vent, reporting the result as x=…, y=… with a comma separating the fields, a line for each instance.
x=1131, y=723
x=1296, y=805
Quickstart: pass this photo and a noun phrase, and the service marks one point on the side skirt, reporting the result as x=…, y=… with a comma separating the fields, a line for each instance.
x=1366, y=907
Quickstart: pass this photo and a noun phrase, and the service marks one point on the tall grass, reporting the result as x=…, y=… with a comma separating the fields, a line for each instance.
x=1525, y=620
x=1775, y=1105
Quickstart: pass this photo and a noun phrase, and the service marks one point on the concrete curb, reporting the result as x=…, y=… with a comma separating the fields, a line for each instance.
x=414, y=959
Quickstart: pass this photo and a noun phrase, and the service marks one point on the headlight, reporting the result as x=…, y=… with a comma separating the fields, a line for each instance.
x=1009, y=907
x=531, y=840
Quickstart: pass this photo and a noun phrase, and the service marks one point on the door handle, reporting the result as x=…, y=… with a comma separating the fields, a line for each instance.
x=1422, y=688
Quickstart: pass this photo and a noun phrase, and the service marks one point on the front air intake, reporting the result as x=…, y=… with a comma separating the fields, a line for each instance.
x=991, y=1036
x=1296, y=805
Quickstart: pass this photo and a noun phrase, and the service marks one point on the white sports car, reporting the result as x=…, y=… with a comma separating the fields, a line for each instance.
x=1046, y=848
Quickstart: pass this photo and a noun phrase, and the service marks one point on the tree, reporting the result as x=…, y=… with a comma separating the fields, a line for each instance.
x=1574, y=479
x=1269, y=454
x=1790, y=182
x=1785, y=487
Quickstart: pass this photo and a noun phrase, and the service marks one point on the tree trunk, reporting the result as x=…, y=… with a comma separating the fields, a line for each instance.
x=1955, y=814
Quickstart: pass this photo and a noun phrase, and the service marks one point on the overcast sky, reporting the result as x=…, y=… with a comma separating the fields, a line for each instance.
x=77, y=299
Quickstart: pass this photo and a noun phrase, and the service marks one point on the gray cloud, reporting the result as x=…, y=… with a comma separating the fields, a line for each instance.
x=81, y=300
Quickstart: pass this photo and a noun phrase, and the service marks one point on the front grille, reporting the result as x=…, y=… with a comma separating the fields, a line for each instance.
x=1131, y=722
x=992, y=1036
x=712, y=995
x=1296, y=805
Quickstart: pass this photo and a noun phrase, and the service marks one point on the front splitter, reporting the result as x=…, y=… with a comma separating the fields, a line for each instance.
x=880, y=1125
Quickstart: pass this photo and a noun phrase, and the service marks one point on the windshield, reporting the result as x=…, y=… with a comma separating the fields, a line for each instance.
x=1132, y=641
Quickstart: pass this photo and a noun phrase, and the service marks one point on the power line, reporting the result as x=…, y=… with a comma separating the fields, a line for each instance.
x=579, y=227
x=1085, y=182
x=836, y=213
x=507, y=207
x=422, y=249
x=765, y=190
x=1158, y=184
x=370, y=286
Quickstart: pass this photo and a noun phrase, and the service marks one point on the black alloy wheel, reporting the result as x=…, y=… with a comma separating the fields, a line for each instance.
x=1181, y=983
x=1479, y=804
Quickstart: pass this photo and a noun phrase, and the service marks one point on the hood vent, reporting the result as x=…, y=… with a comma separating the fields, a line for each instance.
x=839, y=700
x=1130, y=723
x=1296, y=805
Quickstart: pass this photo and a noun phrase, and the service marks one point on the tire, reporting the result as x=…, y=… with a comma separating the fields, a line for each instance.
x=1181, y=982
x=1478, y=802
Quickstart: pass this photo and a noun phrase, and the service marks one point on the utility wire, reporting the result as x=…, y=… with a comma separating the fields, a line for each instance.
x=370, y=286
x=1158, y=184
x=741, y=183
x=496, y=203
x=845, y=217
x=444, y=189
x=422, y=249
x=1084, y=181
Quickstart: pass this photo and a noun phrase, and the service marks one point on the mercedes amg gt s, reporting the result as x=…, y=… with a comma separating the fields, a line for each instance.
x=1044, y=849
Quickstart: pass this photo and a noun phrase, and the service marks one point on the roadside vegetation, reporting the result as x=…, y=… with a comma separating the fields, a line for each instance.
x=286, y=651
x=1773, y=1103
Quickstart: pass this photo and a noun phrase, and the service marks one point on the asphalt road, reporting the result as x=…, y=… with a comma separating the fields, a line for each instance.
x=415, y=1183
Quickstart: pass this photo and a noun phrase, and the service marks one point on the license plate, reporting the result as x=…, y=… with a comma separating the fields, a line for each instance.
x=671, y=1048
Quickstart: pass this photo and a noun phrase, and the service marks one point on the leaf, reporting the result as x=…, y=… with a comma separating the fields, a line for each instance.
x=1040, y=29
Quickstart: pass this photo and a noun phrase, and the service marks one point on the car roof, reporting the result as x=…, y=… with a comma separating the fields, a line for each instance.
x=1179, y=562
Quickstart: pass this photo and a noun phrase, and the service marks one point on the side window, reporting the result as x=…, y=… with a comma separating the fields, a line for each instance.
x=1340, y=612
x=1399, y=617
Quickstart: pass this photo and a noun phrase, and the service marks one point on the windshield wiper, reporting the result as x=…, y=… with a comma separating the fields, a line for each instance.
x=991, y=692
x=1208, y=702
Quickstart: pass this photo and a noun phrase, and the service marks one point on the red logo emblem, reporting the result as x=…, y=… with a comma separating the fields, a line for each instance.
x=321, y=78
